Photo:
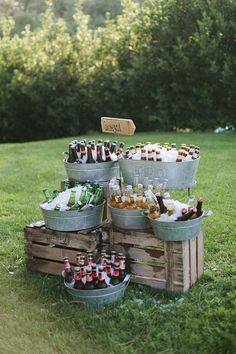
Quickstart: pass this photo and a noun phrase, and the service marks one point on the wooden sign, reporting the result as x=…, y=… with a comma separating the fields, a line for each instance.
x=118, y=126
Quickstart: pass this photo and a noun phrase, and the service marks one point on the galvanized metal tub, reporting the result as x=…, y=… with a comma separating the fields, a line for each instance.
x=73, y=220
x=98, y=297
x=129, y=219
x=94, y=172
x=178, y=174
x=176, y=230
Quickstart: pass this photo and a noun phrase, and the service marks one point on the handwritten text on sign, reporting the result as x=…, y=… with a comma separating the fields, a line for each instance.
x=118, y=126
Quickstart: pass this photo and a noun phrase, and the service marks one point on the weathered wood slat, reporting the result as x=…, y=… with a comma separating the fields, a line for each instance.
x=44, y=266
x=67, y=239
x=200, y=254
x=186, y=269
x=141, y=255
x=193, y=261
x=146, y=270
x=53, y=253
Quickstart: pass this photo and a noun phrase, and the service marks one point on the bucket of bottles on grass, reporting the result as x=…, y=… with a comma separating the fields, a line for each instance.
x=129, y=219
x=74, y=209
x=98, y=297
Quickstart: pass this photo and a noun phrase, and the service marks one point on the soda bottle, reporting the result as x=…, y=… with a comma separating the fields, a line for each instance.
x=72, y=198
x=115, y=279
x=101, y=280
x=78, y=256
x=122, y=268
x=89, y=285
x=78, y=284
x=199, y=206
x=191, y=214
x=68, y=272
x=90, y=158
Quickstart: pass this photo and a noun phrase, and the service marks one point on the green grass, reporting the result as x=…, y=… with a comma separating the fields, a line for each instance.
x=36, y=315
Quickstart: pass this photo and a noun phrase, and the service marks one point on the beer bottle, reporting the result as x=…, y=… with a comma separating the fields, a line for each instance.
x=154, y=214
x=78, y=284
x=162, y=207
x=179, y=156
x=108, y=268
x=72, y=153
x=158, y=156
x=82, y=152
x=199, y=206
x=90, y=158
x=94, y=274
x=101, y=284
x=47, y=195
x=83, y=274
x=78, y=256
x=143, y=154
x=55, y=193
x=107, y=143
x=113, y=258
x=107, y=154
x=99, y=152
x=68, y=272
x=173, y=146
x=150, y=157
x=122, y=268
x=113, y=148
x=89, y=285
x=72, y=198
x=116, y=274
x=66, y=185
x=191, y=214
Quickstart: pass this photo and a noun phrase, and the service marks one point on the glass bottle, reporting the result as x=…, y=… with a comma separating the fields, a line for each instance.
x=101, y=284
x=116, y=274
x=78, y=284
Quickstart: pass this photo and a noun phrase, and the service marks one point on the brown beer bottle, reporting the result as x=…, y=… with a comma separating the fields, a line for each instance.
x=94, y=274
x=78, y=283
x=68, y=272
x=101, y=280
x=90, y=158
x=78, y=259
x=116, y=274
x=199, y=206
x=122, y=269
x=107, y=154
x=154, y=214
x=89, y=285
x=191, y=214
x=162, y=207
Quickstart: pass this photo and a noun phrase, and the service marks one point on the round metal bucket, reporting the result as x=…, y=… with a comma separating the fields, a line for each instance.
x=93, y=172
x=129, y=219
x=73, y=220
x=176, y=230
x=99, y=296
x=179, y=174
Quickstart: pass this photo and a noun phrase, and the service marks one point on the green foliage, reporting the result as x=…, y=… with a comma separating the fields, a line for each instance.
x=166, y=64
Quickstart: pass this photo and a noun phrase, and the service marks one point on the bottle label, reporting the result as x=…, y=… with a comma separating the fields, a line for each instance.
x=67, y=265
x=77, y=277
x=116, y=273
x=89, y=278
x=122, y=264
x=100, y=277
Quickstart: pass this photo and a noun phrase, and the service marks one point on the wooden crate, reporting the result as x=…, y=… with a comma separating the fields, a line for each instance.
x=45, y=248
x=174, y=266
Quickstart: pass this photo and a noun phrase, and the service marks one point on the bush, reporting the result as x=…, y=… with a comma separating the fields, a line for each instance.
x=167, y=64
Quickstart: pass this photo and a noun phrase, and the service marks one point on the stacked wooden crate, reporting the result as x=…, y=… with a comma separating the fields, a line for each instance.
x=174, y=266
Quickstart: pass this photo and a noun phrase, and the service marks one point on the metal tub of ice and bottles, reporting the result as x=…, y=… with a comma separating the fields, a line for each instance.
x=177, y=174
x=98, y=297
x=73, y=220
x=129, y=219
x=93, y=172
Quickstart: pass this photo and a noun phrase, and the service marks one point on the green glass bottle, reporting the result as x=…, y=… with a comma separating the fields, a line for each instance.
x=47, y=195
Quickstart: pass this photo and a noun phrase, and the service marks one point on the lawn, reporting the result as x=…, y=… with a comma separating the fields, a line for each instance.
x=36, y=315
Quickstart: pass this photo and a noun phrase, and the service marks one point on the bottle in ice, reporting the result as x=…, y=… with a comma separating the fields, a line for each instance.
x=78, y=284
x=115, y=279
x=68, y=272
x=101, y=279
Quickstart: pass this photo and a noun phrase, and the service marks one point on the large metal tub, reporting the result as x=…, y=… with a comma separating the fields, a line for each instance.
x=179, y=174
x=73, y=220
x=129, y=219
x=99, y=296
x=176, y=230
x=93, y=172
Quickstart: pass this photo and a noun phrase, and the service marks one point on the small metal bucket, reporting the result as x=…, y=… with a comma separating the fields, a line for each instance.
x=178, y=174
x=176, y=230
x=73, y=220
x=98, y=297
x=93, y=172
x=129, y=219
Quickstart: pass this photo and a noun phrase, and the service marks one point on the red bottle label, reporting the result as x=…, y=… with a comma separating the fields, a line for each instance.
x=89, y=278
x=77, y=277
x=116, y=273
x=67, y=265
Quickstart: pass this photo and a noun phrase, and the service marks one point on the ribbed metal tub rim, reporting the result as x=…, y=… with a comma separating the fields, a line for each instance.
x=129, y=219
